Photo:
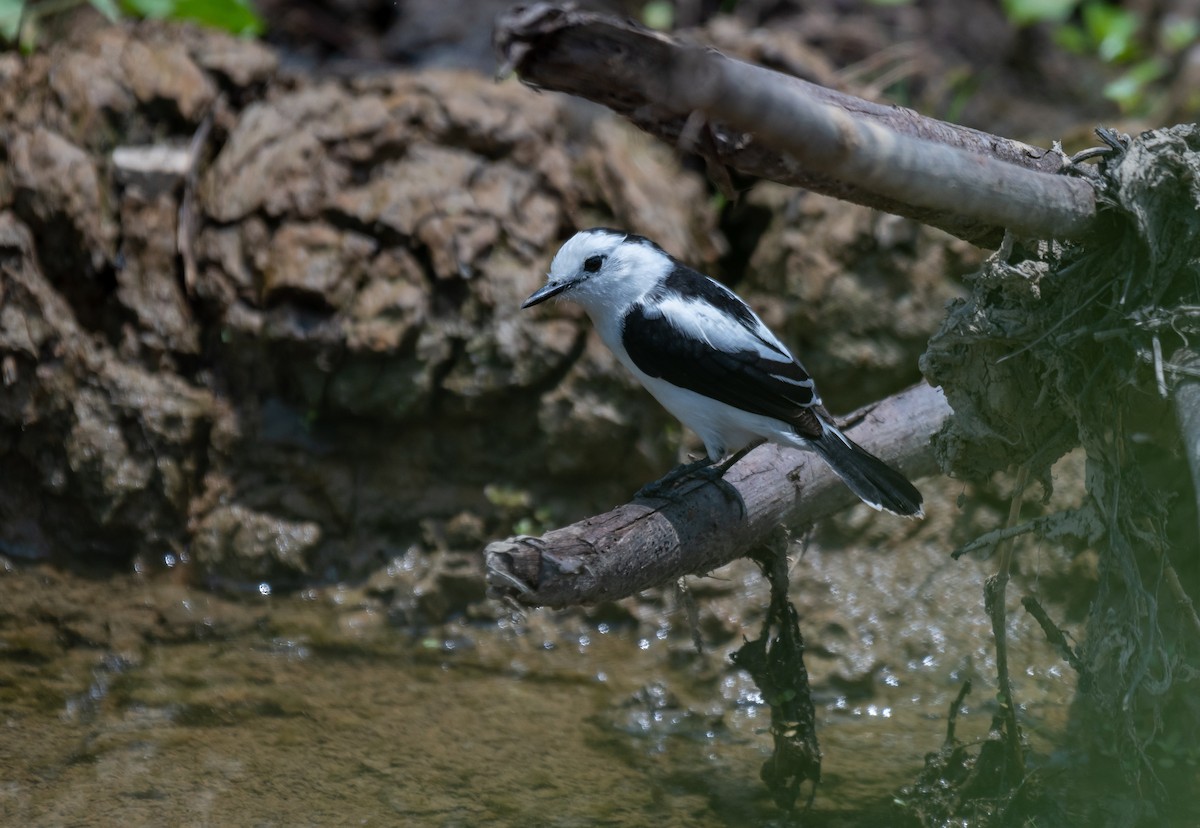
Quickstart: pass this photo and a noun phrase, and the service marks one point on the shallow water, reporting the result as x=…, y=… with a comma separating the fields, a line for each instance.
x=138, y=700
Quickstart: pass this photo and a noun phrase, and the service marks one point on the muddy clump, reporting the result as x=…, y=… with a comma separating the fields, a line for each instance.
x=281, y=357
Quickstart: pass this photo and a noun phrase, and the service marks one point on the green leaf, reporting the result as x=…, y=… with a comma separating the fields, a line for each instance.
x=10, y=19
x=1028, y=12
x=153, y=9
x=1129, y=90
x=236, y=16
x=108, y=8
x=1178, y=34
x=507, y=497
x=1071, y=38
x=1113, y=30
x=658, y=14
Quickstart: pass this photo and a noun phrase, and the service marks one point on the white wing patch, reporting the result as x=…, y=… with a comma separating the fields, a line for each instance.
x=718, y=330
x=760, y=330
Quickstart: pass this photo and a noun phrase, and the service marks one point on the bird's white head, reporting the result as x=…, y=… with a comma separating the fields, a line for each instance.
x=606, y=271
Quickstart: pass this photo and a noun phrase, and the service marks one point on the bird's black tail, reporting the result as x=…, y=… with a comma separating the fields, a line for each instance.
x=878, y=484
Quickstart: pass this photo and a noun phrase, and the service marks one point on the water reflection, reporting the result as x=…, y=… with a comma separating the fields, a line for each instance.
x=164, y=704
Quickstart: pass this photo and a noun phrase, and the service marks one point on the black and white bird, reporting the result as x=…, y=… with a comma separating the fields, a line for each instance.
x=708, y=358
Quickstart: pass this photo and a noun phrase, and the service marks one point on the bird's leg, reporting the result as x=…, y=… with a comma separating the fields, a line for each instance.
x=661, y=486
x=705, y=467
x=720, y=470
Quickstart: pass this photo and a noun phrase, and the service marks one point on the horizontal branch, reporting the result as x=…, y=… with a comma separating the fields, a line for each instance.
x=648, y=77
x=706, y=524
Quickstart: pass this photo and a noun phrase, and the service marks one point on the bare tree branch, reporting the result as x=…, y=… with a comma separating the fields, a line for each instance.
x=643, y=75
x=653, y=541
x=877, y=158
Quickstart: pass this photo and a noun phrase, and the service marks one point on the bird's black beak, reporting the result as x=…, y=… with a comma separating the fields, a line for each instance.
x=545, y=293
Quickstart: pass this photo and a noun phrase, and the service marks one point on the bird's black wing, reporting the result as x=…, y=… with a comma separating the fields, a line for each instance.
x=716, y=346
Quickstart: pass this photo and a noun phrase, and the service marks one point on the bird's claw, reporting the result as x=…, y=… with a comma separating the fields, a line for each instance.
x=665, y=485
x=704, y=469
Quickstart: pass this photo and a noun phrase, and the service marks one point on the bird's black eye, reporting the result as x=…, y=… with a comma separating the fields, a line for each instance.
x=592, y=263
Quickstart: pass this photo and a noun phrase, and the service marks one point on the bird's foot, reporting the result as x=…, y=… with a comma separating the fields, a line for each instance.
x=705, y=469
x=736, y=456
x=665, y=484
